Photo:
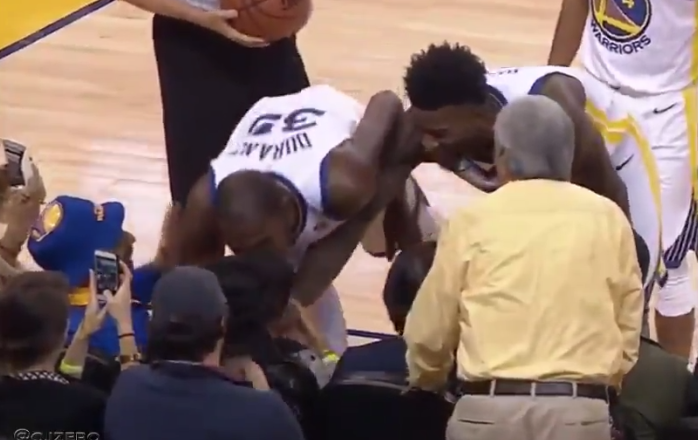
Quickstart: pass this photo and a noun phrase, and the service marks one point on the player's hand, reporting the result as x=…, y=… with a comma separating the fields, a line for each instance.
x=219, y=21
x=409, y=137
x=485, y=180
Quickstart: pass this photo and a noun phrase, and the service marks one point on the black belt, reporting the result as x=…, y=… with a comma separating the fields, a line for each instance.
x=510, y=387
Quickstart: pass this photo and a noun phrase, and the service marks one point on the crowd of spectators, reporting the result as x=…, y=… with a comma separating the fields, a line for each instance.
x=223, y=351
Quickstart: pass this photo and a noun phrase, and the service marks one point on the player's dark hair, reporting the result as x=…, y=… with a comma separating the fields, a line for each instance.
x=33, y=318
x=443, y=75
x=257, y=286
x=248, y=196
x=405, y=277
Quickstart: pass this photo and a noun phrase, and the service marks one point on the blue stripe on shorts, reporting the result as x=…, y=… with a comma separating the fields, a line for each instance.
x=687, y=241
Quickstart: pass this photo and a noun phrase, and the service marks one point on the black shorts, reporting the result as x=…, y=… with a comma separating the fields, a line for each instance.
x=207, y=84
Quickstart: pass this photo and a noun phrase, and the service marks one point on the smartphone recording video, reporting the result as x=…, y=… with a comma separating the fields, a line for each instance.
x=106, y=269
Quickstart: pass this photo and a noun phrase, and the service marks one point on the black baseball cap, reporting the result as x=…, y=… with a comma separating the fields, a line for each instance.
x=189, y=296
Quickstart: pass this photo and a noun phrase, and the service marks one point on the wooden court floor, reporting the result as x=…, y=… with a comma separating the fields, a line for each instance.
x=85, y=100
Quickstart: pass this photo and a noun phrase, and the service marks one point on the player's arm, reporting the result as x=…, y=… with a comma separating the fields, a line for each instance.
x=198, y=235
x=356, y=165
x=384, y=143
x=568, y=32
x=367, y=172
x=325, y=259
x=592, y=167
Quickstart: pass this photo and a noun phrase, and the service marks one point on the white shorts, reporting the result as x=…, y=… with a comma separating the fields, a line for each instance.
x=670, y=122
x=632, y=158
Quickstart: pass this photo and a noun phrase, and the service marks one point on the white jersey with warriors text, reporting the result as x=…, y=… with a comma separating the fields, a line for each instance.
x=290, y=136
x=647, y=47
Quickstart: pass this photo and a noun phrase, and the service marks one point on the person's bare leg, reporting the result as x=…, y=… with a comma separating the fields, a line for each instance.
x=675, y=333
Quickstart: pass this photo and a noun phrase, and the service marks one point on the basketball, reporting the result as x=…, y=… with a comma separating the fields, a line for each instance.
x=270, y=20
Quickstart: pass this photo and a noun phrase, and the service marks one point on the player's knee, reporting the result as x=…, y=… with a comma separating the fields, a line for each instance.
x=677, y=297
x=412, y=220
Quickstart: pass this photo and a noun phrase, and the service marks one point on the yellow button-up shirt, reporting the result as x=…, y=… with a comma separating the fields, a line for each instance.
x=536, y=281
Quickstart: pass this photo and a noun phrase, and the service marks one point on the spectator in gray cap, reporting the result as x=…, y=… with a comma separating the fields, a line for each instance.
x=537, y=291
x=183, y=393
x=188, y=321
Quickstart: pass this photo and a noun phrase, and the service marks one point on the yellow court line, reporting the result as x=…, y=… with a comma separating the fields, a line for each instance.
x=23, y=23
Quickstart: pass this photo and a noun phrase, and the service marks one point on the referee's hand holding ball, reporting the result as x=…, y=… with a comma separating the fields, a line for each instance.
x=270, y=20
x=220, y=21
x=250, y=23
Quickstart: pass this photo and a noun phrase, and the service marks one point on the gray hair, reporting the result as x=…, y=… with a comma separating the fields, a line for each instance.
x=536, y=137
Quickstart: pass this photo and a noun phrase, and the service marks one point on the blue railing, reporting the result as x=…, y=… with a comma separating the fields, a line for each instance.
x=368, y=334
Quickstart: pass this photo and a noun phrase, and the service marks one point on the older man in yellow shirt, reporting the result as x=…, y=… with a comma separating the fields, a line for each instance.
x=537, y=291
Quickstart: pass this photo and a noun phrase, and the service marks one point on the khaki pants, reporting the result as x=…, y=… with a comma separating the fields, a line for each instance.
x=429, y=220
x=529, y=418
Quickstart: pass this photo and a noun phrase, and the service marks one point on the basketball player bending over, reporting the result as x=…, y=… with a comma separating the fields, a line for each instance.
x=455, y=102
x=303, y=174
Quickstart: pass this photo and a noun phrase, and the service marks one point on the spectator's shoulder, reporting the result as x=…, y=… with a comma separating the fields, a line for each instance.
x=73, y=393
x=597, y=201
x=466, y=215
x=90, y=403
x=132, y=373
x=130, y=379
x=285, y=426
x=74, y=406
x=86, y=392
x=135, y=371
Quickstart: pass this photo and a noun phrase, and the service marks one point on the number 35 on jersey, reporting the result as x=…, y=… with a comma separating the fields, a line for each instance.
x=273, y=136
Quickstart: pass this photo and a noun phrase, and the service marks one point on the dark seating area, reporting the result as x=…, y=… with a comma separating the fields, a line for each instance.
x=377, y=407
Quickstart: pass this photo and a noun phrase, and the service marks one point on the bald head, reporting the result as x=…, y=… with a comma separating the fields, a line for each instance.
x=535, y=138
x=249, y=197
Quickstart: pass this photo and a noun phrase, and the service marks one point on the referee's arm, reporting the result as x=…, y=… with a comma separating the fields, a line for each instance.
x=178, y=9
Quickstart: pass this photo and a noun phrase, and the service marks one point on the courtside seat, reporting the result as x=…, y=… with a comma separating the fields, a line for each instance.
x=378, y=406
x=686, y=429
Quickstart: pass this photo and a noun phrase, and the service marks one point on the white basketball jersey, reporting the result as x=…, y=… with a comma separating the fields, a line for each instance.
x=646, y=46
x=512, y=82
x=290, y=136
x=630, y=156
